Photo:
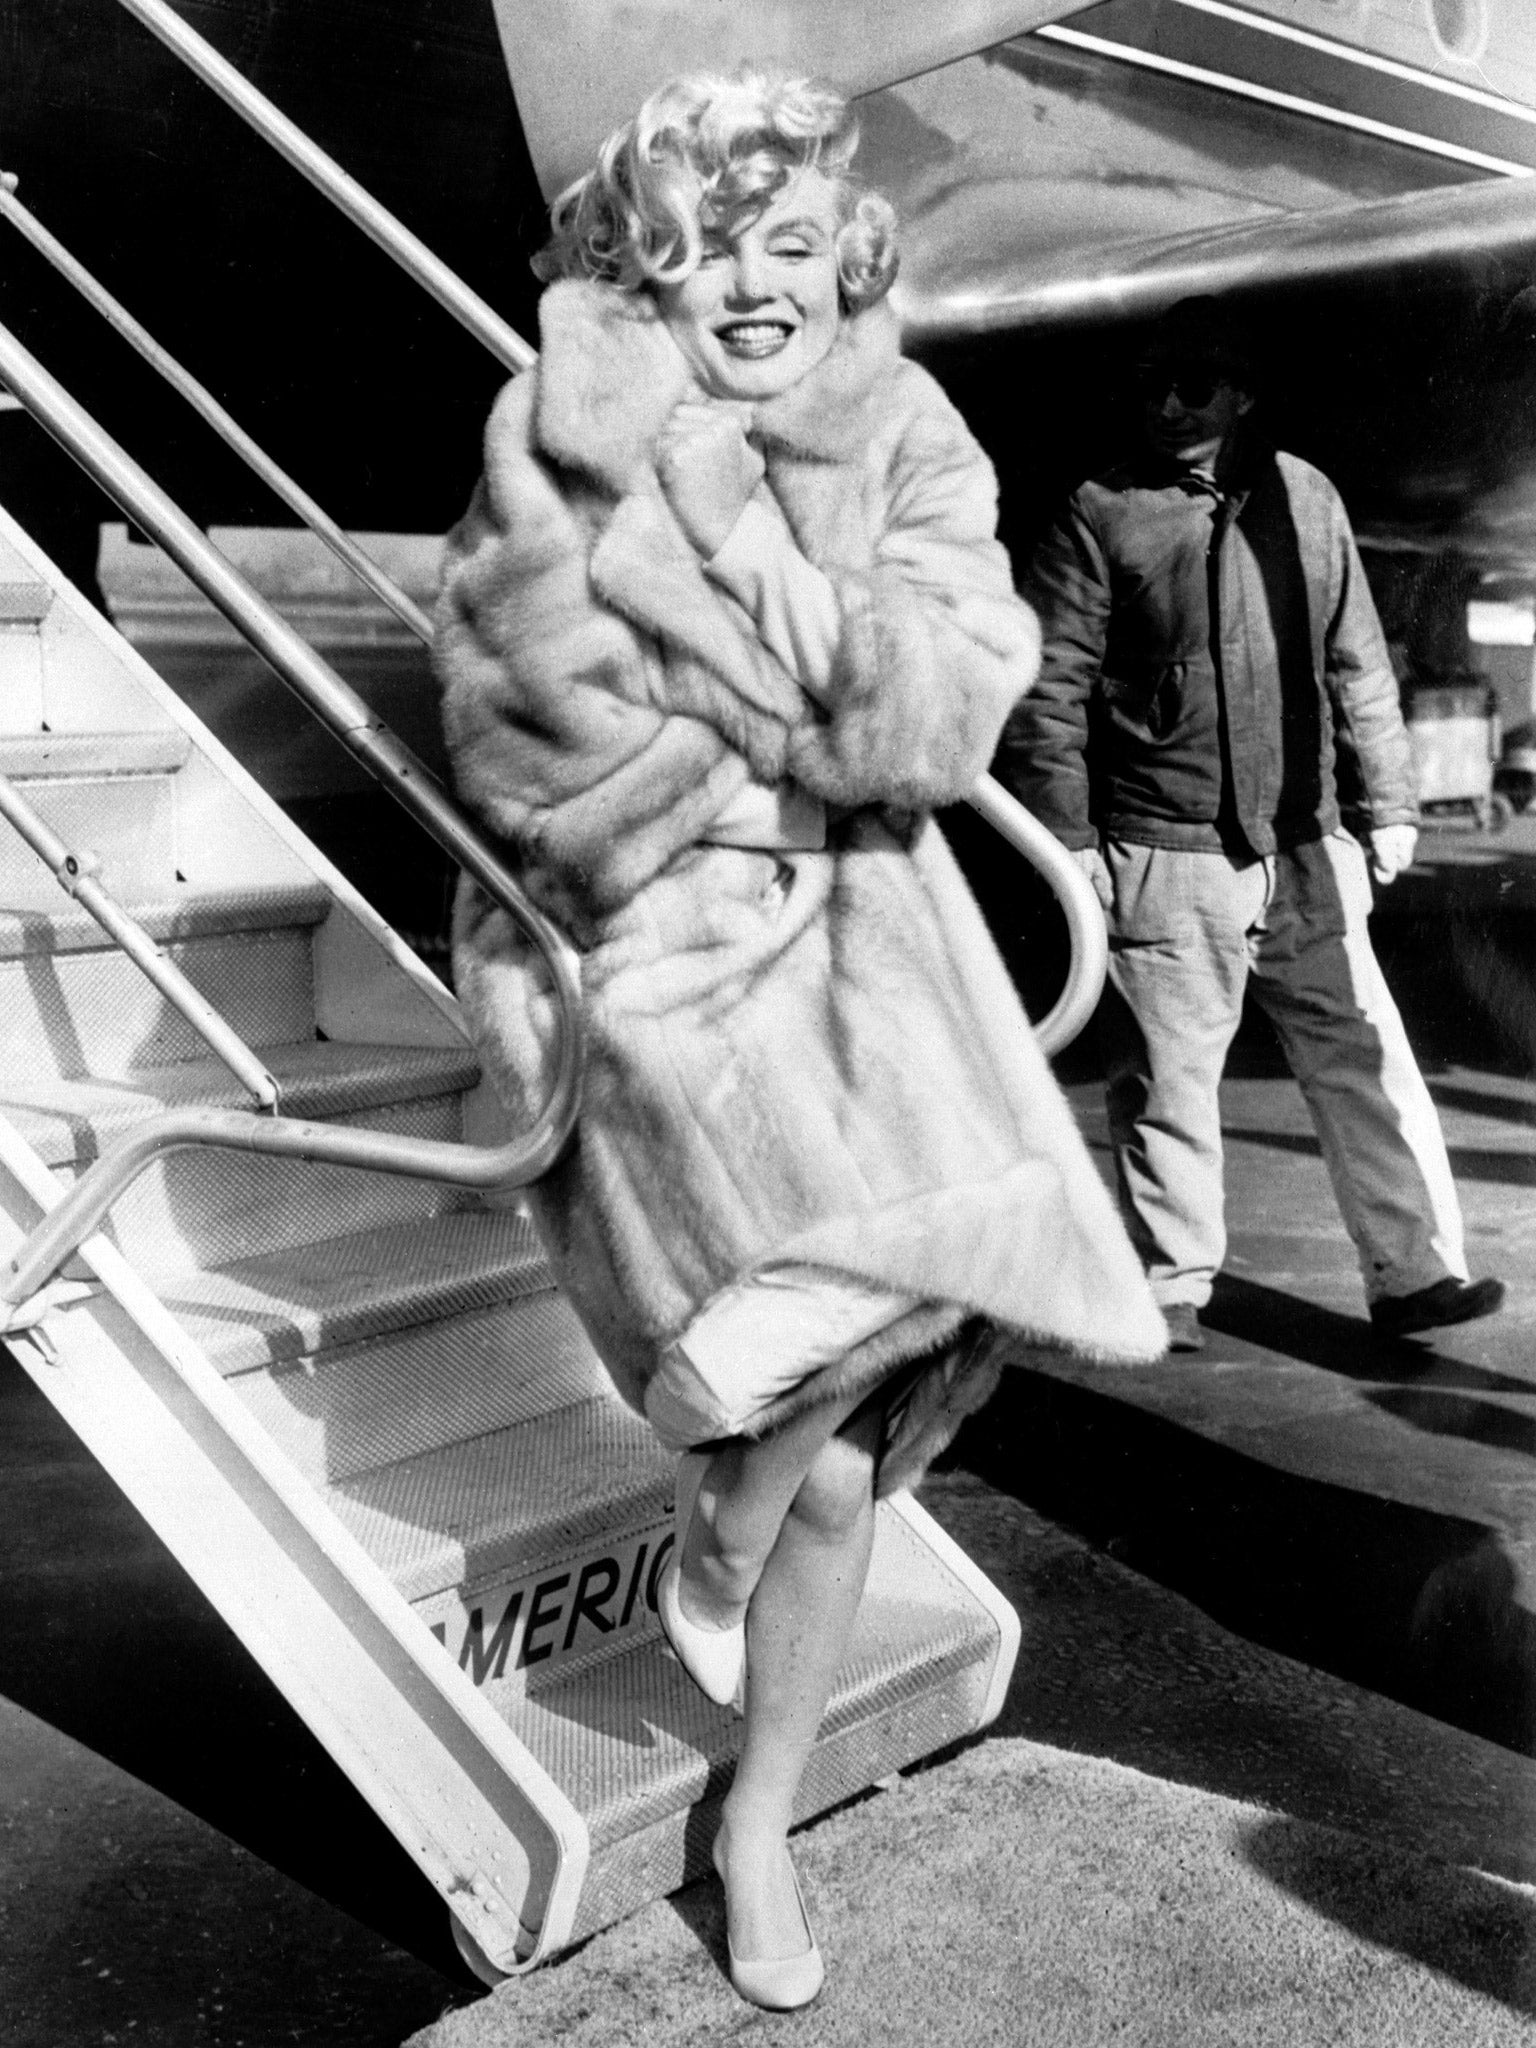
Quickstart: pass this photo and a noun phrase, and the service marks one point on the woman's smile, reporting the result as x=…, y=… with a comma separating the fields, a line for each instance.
x=762, y=308
x=751, y=340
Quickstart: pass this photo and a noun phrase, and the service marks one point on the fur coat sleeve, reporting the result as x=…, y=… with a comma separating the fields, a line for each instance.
x=806, y=1057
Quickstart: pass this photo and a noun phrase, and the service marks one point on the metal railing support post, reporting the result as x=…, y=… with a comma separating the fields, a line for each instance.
x=73, y=873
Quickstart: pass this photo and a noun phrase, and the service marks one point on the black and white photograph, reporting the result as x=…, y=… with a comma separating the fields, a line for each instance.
x=768, y=1023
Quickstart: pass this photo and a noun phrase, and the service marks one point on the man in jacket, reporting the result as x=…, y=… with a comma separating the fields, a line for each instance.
x=1207, y=632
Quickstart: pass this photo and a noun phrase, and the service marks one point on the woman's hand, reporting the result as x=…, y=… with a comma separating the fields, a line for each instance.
x=708, y=469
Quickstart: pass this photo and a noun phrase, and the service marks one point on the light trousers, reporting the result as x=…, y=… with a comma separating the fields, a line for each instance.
x=1187, y=933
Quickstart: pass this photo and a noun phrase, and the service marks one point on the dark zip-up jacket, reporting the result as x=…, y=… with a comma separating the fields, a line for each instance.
x=1200, y=648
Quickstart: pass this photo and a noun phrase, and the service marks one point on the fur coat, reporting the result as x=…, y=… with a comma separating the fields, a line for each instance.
x=794, y=1057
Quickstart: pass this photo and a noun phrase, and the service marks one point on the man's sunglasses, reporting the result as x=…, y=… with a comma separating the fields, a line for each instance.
x=1192, y=387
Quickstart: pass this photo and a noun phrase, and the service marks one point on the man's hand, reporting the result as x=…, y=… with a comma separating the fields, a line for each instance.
x=1392, y=848
x=708, y=469
x=1091, y=861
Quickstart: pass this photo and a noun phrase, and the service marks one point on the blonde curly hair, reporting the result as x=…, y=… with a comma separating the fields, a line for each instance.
x=704, y=157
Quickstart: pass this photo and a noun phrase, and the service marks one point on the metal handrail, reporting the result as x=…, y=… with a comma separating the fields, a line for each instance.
x=1088, y=961
x=322, y=171
x=391, y=762
x=208, y=408
x=74, y=874
x=1085, y=918
x=345, y=713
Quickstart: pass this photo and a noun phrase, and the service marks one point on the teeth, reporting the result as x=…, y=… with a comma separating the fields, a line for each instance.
x=755, y=334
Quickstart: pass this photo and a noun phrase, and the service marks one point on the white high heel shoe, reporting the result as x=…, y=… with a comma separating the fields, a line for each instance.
x=714, y=1658
x=777, y=1983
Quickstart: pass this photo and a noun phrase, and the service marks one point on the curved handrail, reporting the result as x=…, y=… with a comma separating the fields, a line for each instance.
x=1086, y=930
x=387, y=758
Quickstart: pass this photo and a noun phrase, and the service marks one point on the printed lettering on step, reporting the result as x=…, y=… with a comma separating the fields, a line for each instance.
x=541, y=1617
x=533, y=1625
x=595, y=1588
x=634, y=1585
x=489, y=1660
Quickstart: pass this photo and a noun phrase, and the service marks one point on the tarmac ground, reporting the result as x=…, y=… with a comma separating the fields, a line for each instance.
x=1264, y=1773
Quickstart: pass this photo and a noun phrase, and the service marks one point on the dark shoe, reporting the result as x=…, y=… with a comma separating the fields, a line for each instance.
x=1184, y=1331
x=1431, y=1308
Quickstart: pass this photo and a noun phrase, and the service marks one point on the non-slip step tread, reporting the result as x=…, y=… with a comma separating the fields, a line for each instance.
x=192, y=912
x=307, y=1298
x=92, y=756
x=631, y=1739
x=198, y=1206
x=68, y=1120
x=401, y=1393
x=472, y=1512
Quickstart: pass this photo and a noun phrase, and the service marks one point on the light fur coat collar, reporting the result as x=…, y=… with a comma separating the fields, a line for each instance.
x=610, y=376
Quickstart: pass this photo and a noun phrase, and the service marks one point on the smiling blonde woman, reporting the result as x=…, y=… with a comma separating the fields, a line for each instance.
x=726, y=620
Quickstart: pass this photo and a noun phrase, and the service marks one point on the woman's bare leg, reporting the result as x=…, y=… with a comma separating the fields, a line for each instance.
x=743, y=1498
x=798, y=1625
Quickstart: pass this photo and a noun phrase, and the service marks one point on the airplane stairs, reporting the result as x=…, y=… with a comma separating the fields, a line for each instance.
x=355, y=1406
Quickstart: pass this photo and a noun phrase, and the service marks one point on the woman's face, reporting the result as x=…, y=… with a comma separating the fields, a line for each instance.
x=762, y=310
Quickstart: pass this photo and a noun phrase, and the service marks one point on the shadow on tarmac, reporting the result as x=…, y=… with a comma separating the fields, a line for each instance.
x=106, y=1638
x=1337, y=1343
x=1459, y=1922
x=1413, y=1603
x=1508, y=1109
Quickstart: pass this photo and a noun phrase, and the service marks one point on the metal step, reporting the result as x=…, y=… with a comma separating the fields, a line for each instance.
x=125, y=823
x=646, y=1758
x=387, y=1348
x=206, y=1207
x=73, y=1121
x=303, y=1303
x=63, y=756
x=418, y=1390
x=484, y=1514
x=181, y=914
x=71, y=1004
x=23, y=600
